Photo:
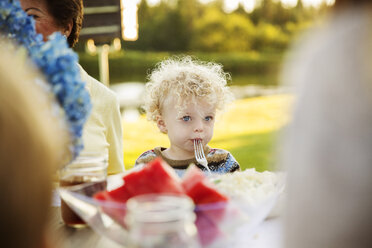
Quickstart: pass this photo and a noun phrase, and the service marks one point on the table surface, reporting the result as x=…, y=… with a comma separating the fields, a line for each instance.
x=68, y=237
x=267, y=235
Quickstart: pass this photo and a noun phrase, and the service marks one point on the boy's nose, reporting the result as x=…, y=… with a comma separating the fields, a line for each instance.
x=198, y=127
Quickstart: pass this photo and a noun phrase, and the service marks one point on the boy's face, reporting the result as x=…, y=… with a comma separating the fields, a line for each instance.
x=196, y=121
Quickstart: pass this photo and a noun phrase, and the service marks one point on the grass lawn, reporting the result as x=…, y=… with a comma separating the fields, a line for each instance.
x=248, y=129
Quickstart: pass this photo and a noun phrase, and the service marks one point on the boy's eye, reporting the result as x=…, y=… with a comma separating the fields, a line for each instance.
x=208, y=118
x=186, y=118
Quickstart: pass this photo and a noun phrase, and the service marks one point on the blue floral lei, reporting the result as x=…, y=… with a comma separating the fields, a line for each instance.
x=58, y=63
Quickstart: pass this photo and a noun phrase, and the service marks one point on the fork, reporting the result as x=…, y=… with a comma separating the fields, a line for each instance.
x=199, y=154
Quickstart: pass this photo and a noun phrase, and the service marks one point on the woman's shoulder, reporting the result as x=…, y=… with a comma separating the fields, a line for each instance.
x=97, y=90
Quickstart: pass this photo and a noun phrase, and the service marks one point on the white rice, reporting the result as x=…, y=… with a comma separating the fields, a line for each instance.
x=249, y=186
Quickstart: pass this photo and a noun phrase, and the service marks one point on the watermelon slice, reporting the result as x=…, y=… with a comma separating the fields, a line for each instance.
x=156, y=177
x=210, y=204
x=120, y=194
x=159, y=177
x=118, y=211
x=192, y=176
x=208, y=230
x=204, y=192
x=198, y=187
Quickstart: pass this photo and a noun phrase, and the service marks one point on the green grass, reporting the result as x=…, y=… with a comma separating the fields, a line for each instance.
x=248, y=129
x=255, y=150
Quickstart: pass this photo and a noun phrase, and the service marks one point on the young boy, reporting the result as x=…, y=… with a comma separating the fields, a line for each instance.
x=182, y=97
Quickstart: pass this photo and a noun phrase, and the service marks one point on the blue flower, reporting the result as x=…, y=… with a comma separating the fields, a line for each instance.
x=58, y=63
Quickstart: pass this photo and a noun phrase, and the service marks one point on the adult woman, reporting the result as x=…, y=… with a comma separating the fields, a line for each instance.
x=329, y=150
x=102, y=132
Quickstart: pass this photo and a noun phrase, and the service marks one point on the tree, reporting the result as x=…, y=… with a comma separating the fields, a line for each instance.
x=220, y=32
x=184, y=25
x=162, y=28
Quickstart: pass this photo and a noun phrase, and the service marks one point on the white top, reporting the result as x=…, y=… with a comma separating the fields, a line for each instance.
x=103, y=130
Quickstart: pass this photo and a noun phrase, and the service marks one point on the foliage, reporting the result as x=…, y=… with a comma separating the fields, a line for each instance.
x=163, y=28
x=215, y=33
x=268, y=35
x=135, y=65
x=250, y=46
x=188, y=25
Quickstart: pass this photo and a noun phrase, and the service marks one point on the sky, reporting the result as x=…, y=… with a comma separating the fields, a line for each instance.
x=231, y=5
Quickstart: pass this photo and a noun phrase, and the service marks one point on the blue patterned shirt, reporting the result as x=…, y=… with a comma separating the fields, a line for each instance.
x=219, y=160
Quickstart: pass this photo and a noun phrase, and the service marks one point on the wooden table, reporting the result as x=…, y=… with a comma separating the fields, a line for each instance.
x=267, y=235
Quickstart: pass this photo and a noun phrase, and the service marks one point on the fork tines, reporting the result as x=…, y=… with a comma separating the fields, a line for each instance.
x=199, y=154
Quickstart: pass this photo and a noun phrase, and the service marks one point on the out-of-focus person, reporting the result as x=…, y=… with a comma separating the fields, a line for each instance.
x=103, y=131
x=328, y=148
x=32, y=143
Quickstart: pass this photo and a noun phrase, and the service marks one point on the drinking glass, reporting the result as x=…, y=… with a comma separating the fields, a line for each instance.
x=161, y=221
x=87, y=168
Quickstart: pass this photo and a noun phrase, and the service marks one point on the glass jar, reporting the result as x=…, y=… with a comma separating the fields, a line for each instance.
x=87, y=168
x=161, y=221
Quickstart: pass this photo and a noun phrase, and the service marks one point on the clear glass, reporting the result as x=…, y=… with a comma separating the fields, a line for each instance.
x=161, y=221
x=87, y=168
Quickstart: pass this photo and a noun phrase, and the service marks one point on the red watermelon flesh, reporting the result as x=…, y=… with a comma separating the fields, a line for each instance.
x=198, y=187
x=211, y=204
x=192, y=176
x=155, y=177
x=208, y=230
x=204, y=192
x=120, y=194
x=158, y=177
x=116, y=212
x=102, y=196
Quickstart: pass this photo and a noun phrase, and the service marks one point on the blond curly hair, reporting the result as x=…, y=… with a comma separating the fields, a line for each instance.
x=186, y=80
